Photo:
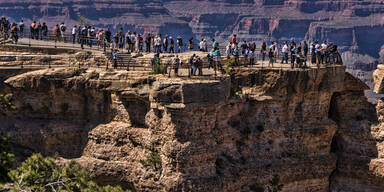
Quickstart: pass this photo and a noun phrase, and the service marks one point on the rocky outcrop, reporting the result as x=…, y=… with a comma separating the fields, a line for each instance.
x=313, y=128
x=347, y=23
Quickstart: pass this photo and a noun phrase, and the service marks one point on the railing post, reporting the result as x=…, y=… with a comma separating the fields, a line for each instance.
x=29, y=39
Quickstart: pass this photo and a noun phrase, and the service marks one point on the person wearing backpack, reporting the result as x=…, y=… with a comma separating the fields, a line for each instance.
x=180, y=44
x=63, y=28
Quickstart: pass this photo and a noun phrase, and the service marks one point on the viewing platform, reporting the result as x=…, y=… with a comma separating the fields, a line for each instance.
x=30, y=54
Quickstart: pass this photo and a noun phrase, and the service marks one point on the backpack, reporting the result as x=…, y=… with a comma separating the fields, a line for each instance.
x=63, y=28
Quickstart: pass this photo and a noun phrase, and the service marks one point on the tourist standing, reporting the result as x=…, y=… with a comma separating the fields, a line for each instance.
x=175, y=65
x=228, y=50
x=165, y=44
x=179, y=42
x=33, y=29
x=263, y=50
x=234, y=40
x=171, y=45
x=63, y=28
x=108, y=35
x=284, y=52
x=56, y=31
x=217, y=59
x=21, y=27
x=201, y=48
x=251, y=57
x=44, y=30
x=74, y=32
x=215, y=44
x=191, y=44
x=148, y=43
x=192, y=63
x=271, y=56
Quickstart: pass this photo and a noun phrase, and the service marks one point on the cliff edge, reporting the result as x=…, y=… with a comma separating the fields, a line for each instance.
x=313, y=128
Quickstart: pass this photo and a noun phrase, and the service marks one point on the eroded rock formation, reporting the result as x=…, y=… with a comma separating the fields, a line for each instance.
x=314, y=128
x=353, y=25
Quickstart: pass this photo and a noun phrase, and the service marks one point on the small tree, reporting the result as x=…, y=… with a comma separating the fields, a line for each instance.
x=274, y=185
x=6, y=103
x=6, y=157
x=41, y=174
x=6, y=152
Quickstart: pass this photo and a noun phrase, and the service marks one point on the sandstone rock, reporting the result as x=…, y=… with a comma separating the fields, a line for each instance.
x=314, y=128
x=378, y=78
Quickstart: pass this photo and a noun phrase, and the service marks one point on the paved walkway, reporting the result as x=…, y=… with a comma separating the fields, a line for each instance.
x=183, y=71
x=53, y=44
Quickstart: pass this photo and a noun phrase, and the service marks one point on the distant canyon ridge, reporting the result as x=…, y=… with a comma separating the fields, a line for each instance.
x=356, y=26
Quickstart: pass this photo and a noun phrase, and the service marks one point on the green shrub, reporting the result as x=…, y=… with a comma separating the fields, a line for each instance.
x=6, y=103
x=6, y=157
x=153, y=160
x=41, y=174
x=158, y=69
x=274, y=185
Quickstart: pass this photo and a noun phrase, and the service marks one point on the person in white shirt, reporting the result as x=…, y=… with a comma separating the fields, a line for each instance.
x=284, y=51
x=228, y=50
x=205, y=45
x=74, y=32
x=63, y=28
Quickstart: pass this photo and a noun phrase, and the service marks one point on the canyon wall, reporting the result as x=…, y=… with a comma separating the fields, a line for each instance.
x=313, y=128
x=353, y=25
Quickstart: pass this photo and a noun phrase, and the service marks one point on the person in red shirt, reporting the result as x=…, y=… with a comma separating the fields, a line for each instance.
x=234, y=39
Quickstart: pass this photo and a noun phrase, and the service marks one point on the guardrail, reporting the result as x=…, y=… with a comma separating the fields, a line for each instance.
x=50, y=39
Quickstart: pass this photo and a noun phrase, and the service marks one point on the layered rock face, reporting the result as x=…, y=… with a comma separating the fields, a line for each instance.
x=313, y=128
x=354, y=25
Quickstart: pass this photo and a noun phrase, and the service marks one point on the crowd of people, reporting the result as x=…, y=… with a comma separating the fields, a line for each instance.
x=297, y=53
x=243, y=53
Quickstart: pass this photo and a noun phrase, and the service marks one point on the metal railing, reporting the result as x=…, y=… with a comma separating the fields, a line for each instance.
x=50, y=39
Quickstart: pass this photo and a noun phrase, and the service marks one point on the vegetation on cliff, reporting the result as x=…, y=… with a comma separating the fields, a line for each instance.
x=40, y=173
x=6, y=153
